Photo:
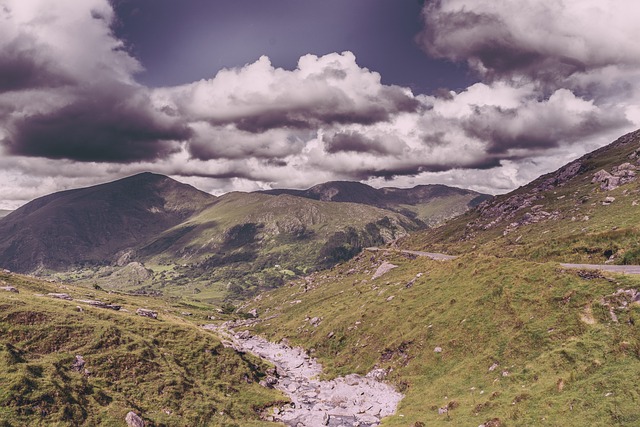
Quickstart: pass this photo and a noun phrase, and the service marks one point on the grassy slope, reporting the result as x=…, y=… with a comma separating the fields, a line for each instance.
x=204, y=255
x=568, y=364
x=585, y=230
x=168, y=370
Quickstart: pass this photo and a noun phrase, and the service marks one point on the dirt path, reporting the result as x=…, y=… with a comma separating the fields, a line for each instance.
x=346, y=401
x=624, y=269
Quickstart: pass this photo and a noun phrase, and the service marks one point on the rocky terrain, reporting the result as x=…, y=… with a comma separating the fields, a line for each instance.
x=352, y=400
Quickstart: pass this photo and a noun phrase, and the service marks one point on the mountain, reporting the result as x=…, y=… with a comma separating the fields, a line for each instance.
x=91, y=225
x=503, y=335
x=4, y=212
x=587, y=211
x=431, y=204
x=245, y=242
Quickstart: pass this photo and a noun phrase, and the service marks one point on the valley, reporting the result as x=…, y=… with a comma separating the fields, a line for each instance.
x=517, y=312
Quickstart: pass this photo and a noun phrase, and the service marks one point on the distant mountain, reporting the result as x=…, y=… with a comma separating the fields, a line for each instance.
x=90, y=225
x=586, y=211
x=431, y=204
x=4, y=212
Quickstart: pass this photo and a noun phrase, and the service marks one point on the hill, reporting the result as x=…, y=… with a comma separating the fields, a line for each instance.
x=66, y=361
x=587, y=211
x=91, y=225
x=502, y=335
x=431, y=204
x=4, y=212
x=245, y=242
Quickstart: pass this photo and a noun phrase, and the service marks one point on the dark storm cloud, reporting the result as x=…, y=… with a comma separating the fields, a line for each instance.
x=413, y=169
x=356, y=142
x=509, y=129
x=546, y=42
x=97, y=127
x=21, y=67
x=486, y=41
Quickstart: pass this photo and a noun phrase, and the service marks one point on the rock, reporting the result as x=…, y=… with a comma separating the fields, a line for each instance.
x=9, y=289
x=147, y=313
x=437, y=350
x=390, y=298
x=315, y=321
x=133, y=420
x=493, y=367
x=442, y=411
x=606, y=180
x=101, y=304
x=79, y=363
x=253, y=313
x=608, y=200
x=384, y=268
x=325, y=419
x=377, y=374
x=60, y=296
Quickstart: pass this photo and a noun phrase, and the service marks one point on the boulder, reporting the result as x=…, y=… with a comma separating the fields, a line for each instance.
x=8, y=289
x=147, y=313
x=384, y=268
x=133, y=420
x=79, y=363
x=60, y=296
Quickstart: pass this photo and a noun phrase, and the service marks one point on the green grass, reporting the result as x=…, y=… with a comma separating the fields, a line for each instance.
x=525, y=316
x=168, y=370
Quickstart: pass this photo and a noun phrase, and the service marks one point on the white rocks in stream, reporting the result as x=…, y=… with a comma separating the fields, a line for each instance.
x=345, y=401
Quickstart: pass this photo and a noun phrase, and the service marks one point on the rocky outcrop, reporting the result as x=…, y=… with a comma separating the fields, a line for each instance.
x=9, y=289
x=620, y=175
x=147, y=313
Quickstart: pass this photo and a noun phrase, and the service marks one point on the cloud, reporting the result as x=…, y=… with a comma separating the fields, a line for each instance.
x=557, y=79
x=65, y=97
x=321, y=91
x=543, y=40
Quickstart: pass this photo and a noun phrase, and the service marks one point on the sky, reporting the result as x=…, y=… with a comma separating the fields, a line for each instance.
x=244, y=95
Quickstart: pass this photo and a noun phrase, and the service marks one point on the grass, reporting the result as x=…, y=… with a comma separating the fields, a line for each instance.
x=480, y=310
x=168, y=370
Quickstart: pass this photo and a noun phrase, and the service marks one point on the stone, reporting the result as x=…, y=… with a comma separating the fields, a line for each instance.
x=437, y=350
x=315, y=321
x=608, y=200
x=9, y=289
x=79, y=363
x=253, y=313
x=384, y=268
x=60, y=296
x=133, y=420
x=100, y=304
x=147, y=313
x=493, y=367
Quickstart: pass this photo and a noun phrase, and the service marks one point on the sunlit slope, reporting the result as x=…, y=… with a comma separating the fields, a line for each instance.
x=516, y=342
x=167, y=370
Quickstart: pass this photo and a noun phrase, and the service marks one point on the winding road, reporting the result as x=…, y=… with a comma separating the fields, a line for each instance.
x=623, y=269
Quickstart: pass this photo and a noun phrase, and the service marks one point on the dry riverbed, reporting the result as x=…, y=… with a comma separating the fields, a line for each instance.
x=353, y=401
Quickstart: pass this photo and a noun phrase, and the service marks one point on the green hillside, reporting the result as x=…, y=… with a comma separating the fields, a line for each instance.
x=167, y=370
x=576, y=214
x=502, y=335
x=496, y=340
x=246, y=242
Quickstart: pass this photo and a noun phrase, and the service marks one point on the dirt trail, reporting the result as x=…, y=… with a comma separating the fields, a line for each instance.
x=625, y=269
x=346, y=401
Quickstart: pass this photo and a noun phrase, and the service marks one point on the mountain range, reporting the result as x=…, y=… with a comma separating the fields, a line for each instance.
x=148, y=232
